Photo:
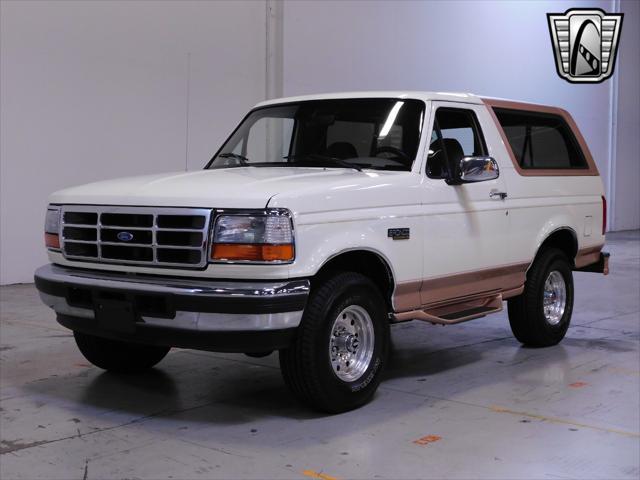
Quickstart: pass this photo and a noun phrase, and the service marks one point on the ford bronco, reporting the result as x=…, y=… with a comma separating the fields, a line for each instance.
x=323, y=220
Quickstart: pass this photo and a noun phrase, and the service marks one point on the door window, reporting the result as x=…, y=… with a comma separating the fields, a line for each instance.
x=456, y=134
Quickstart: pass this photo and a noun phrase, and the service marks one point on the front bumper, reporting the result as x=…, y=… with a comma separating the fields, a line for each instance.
x=226, y=316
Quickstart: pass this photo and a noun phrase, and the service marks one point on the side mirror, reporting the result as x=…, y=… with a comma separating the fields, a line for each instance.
x=477, y=169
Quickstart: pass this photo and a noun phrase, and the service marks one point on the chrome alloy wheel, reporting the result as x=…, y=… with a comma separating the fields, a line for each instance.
x=555, y=298
x=352, y=343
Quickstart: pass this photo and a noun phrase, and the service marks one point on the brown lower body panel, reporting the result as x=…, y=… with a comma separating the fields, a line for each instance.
x=460, y=288
x=587, y=256
x=437, y=297
x=456, y=313
x=438, y=290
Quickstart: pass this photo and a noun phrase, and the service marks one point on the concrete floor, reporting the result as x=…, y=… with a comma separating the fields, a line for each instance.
x=457, y=402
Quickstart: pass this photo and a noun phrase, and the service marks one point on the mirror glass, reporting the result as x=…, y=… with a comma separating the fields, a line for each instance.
x=478, y=169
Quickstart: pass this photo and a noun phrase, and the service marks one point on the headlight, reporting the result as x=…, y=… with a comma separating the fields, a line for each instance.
x=260, y=237
x=52, y=227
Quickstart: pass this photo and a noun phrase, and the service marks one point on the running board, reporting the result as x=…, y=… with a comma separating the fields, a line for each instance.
x=457, y=313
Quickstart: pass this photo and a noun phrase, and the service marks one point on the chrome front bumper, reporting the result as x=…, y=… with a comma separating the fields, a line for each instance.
x=214, y=315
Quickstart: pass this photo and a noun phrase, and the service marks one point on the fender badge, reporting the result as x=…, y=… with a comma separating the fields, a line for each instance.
x=399, y=233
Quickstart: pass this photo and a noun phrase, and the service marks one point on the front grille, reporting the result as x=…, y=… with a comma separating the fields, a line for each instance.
x=136, y=235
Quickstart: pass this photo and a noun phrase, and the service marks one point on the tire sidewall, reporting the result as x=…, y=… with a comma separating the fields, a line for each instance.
x=560, y=264
x=358, y=391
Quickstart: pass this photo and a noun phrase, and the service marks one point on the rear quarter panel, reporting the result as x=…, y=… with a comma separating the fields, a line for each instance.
x=541, y=205
x=543, y=201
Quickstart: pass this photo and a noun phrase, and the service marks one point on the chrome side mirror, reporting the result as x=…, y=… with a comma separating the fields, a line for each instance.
x=477, y=169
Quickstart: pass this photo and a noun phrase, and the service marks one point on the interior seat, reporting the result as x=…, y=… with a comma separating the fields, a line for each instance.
x=437, y=163
x=454, y=150
x=342, y=150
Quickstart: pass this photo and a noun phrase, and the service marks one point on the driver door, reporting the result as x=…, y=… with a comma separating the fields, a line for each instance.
x=466, y=226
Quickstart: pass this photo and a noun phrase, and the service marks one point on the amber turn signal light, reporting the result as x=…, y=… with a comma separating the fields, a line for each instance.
x=252, y=252
x=51, y=240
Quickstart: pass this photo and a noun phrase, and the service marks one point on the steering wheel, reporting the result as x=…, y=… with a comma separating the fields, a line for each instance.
x=393, y=150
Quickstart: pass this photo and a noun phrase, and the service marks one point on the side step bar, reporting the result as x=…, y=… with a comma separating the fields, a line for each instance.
x=453, y=314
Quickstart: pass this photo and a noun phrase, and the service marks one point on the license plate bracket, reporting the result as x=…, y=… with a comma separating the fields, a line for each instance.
x=115, y=314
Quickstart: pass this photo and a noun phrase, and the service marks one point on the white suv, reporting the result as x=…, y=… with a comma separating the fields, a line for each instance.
x=321, y=221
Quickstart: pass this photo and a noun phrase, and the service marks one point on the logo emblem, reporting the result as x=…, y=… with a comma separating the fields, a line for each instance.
x=125, y=236
x=585, y=43
x=399, y=233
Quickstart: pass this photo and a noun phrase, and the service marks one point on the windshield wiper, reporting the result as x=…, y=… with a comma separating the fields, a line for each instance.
x=316, y=157
x=236, y=156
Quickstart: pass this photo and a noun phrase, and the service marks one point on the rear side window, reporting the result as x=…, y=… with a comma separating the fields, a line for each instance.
x=540, y=140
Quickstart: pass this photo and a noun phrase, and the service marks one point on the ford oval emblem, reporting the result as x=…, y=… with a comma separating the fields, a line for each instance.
x=125, y=236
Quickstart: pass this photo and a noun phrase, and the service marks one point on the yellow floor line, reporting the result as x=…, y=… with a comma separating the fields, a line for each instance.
x=497, y=409
x=318, y=475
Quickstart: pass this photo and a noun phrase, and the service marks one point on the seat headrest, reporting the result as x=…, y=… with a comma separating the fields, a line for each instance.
x=342, y=150
x=454, y=150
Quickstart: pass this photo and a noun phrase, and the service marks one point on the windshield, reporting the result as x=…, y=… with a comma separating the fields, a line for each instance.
x=378, y=133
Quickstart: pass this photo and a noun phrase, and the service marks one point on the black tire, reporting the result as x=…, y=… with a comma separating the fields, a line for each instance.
x=306, y=365
x=526, y=312
x=117, y=356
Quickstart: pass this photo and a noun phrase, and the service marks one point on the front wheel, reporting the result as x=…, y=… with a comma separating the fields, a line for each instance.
x=117, y=356
x=540, y=317
x=341, y=346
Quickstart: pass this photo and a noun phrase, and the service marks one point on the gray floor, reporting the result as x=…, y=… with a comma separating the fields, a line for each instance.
x=457, y=402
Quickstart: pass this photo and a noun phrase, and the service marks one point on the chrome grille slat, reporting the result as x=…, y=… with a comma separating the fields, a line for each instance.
x=185, y=230
x=81, y=241
x=120, y=227
x=172, y=249
x=123, y=244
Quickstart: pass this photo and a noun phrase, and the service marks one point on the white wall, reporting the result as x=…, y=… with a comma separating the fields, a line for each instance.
x=96, y=90
x=494, y=48
x=626, y=184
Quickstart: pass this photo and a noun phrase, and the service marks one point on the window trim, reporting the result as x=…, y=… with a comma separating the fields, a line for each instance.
x=581, y=144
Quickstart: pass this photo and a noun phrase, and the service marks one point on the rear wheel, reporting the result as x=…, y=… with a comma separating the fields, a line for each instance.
x=341, y=346
x=118, y=356
x=540, y=317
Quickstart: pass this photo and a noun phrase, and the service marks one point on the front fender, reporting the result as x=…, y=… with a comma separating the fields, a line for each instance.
x=320, y=241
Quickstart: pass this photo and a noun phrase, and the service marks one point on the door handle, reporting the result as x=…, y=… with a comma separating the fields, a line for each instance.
x=500, y=195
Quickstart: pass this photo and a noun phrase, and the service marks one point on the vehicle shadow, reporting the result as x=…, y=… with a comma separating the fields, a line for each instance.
x=161, y=394
x=226, y=389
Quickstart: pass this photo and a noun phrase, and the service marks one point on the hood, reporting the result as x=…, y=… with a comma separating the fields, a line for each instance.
x=244, y=187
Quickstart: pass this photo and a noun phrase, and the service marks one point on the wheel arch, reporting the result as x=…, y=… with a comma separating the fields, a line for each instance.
x=369, y=262
x=563, y=238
